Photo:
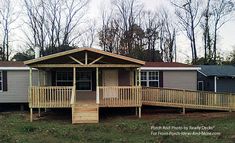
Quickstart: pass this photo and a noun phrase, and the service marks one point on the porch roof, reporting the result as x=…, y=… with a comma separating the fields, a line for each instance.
x=84, y=57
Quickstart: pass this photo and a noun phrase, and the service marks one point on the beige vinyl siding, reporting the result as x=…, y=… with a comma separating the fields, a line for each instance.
x=17, y=83
x=180, y=79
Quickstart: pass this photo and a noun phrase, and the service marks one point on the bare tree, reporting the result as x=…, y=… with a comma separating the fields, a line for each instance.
x=8, y=16
x=152, y=27
x=216, y=14
x=189, y=15
x=54, y=23
x=128, y=12
x=88, y=38
x=167, y=36
x=221, y=13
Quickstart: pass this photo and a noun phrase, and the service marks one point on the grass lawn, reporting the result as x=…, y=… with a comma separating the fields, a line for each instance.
x=15, y=127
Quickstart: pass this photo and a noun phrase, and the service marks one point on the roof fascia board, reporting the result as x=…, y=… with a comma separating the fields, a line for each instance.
x=16, y=68
x=171, y=68
x=84, y=49
x=202, y=73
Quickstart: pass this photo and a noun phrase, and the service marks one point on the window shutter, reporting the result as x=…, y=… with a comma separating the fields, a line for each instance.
x=4, y=74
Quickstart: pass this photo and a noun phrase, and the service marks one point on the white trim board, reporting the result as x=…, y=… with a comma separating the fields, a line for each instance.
x=172, y=68
x=16, y=68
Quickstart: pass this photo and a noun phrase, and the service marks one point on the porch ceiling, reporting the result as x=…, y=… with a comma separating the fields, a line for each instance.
x=84, y=57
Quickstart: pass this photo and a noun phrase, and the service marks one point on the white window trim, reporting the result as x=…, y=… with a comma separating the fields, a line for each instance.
x=1, y=81
x=147, y=77
x=203, y=87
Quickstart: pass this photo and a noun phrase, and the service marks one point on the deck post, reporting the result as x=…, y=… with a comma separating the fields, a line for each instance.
x=30, y=86
x=31, y=114
x=230, y=102
x=184, y=102
x=39, y=112
x=97, y=86
x=136, y=111
x=140, y=112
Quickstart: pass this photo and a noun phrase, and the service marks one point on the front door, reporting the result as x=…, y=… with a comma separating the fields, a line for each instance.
x=110, y=78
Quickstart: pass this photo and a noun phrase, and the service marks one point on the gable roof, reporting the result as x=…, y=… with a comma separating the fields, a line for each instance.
x=168, y=66
x=84, y=49
x=218, y=70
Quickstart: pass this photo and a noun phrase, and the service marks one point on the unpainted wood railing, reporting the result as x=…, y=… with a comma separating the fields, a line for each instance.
x=188, y=99
x=119, y=96
x=50, y=96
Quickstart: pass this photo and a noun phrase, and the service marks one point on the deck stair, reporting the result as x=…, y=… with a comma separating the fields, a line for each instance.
x=84, y=112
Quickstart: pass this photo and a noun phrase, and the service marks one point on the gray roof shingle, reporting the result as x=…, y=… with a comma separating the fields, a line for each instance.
x=218, y=70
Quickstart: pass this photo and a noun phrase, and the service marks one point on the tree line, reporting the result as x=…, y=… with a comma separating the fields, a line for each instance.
x=125, y=27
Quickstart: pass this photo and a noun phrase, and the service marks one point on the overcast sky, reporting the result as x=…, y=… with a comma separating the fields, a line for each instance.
x=226, y=34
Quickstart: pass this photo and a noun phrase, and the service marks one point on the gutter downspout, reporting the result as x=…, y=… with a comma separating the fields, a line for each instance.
x=215, y=89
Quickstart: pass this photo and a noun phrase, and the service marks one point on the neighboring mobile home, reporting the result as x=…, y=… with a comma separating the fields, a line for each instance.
x=14, y=82
x=216, y=78
x=169, y=75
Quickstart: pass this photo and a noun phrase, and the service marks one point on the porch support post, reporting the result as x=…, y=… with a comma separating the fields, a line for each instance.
x=136, y=77
x=140, y=92
x=30, y=77
x=44, y=78
x=39, y=78
x=139, y=77
x=97, y=86
x=86, y=58
x=74, y=82
x=74, y=77
x=30, y=101
x=39, y=84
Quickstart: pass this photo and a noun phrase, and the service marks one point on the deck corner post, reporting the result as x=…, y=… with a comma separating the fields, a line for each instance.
x=139, y=111
x=31, y=114
x=39, y=112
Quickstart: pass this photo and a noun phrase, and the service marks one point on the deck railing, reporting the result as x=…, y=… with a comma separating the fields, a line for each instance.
x=188, y=99
x=50, y=96
x=120, y=96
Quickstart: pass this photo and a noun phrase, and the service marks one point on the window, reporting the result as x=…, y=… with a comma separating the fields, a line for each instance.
x=64, y=78
x=1, y=81
x=150, y=78
x=83, y=79
x=201, y=85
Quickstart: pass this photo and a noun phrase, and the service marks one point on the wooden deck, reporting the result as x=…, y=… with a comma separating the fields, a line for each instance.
x=85, y=107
